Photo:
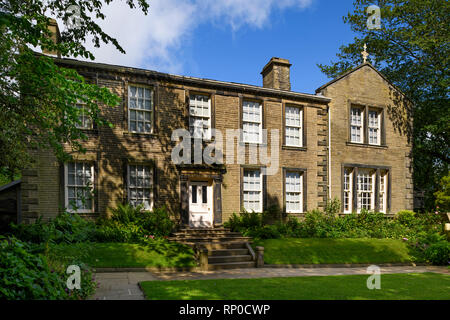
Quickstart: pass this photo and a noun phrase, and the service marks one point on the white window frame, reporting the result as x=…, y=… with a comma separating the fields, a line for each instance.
x=383, y=191
x=252, y=192
x=67, y=186
x=83, y=116
x=293, y=126
x=377, y=127
x=252, y=122
x=348, y=190
x=295, y=193
x=355, y=125
x=371, y=174
x=194, y=106
x=129, y=186
x=137, y=109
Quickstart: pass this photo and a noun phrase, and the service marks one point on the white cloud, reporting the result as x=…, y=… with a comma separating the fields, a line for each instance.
x=152, y=41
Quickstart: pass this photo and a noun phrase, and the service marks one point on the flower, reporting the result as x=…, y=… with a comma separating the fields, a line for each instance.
x=405, y=239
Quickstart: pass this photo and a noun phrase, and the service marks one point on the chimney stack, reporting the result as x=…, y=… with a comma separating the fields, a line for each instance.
x=55, y=37
x=276, y=74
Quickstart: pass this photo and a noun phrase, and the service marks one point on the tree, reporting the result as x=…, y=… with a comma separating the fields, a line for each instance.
x=37, y=97
x=443, y=195
x=412, y=50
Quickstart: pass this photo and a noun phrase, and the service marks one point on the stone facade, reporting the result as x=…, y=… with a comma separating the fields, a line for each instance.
x=365, y=86
x=111, y=149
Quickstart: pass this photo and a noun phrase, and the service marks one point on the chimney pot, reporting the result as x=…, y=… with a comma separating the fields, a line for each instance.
x=276, y=74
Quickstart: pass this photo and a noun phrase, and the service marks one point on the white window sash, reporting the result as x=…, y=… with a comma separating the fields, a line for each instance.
x=296, y=193
x=66, y=190
x=293, y=126
x=349, y=191
x=359, y=126
x=245, y=135
x=193, y=107
x=144, y=111
x=360, y=192
x=150, y=171
x=376, y=127
x=83, y=116
x=251, y=191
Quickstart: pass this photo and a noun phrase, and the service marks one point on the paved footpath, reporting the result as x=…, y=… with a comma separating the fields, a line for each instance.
x=124, y=285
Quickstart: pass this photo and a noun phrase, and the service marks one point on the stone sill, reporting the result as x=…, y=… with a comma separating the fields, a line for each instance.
x=284, y=147
x=366, y=145
x=140, y=134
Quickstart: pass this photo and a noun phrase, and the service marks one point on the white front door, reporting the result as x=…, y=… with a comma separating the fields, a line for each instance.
x=200, y=205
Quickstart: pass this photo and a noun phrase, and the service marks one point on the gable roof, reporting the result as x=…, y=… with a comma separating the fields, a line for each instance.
x=357, y=68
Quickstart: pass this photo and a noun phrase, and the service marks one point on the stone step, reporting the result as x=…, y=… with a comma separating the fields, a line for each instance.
x=226, y=259
x=203, y=230
x=207, y=234
x=228, y=252
x=209, y=239
x=224, y=245
x=231, y=265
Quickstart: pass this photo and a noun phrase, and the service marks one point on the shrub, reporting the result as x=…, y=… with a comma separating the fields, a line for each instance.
x=438, y=253
x=126, y=213
x=244, y=221
x=405, y=217
x=157, y=222
x=443, y=195
x=265, y=232
x=333, y=207
x=66, y=227
x=25, y=275
x=113, y=231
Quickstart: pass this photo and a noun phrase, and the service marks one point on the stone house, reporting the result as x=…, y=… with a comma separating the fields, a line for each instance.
x=349, y=140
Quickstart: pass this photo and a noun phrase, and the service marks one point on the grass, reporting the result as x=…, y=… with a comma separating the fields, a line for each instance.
x=334, y=251
x=120, y=255
x=425, y=286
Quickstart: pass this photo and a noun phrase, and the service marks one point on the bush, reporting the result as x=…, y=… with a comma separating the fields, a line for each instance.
x=157, y=222
x=245, y=220
x=438, y=253
x=405, y=217
x=26, y=275
x=265, y=232
x=66, y=227
x=113, y=231
x=131, y=224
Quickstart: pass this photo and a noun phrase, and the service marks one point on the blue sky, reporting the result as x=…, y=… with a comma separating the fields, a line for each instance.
x=229, y=40
x=305, y=37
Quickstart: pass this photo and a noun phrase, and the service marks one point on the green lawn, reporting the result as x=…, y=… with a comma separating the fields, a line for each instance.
x=127, y=254
x=426, y=286
x=334, y=251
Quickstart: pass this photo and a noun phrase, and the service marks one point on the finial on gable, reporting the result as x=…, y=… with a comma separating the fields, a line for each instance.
x=365, y=54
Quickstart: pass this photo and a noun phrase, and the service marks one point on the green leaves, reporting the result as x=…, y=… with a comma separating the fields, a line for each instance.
x=38, y=97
